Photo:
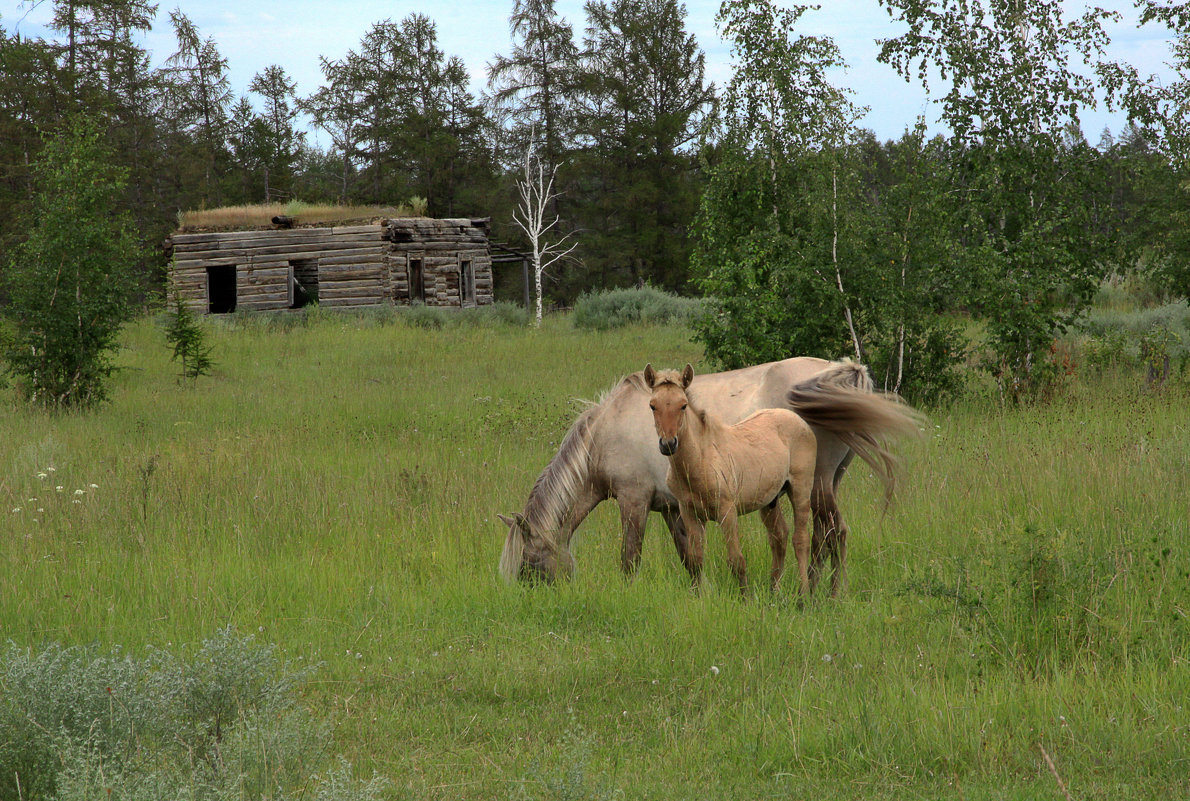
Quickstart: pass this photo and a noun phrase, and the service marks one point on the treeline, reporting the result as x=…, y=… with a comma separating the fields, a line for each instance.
x=766, y=194
x=616, y=108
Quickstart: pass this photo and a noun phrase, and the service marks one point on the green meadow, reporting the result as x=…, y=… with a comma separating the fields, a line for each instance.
x=1016, y=626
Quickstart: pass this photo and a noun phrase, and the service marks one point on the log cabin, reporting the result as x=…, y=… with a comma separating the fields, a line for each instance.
x=400, y=261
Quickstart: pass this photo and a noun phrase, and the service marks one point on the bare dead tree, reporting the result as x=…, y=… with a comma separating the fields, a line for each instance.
x=536, y=188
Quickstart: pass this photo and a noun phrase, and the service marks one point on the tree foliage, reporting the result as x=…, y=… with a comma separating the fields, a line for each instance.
x=69, y=283
x=1012, y=95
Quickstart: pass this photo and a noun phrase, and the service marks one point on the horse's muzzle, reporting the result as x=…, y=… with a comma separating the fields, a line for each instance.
x=668, y=446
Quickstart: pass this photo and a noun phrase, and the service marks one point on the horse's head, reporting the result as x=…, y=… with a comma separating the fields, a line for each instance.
x=531, y=556
x=668, y=403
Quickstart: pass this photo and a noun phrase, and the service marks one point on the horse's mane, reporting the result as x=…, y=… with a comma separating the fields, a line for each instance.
x=556, y=489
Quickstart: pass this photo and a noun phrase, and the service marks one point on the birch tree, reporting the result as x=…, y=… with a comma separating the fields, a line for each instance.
x=769, y=234
x=534, y=216
x=1011, y=91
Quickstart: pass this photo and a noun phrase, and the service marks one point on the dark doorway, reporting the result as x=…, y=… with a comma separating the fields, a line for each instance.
x=466, y=282
x=305, y=282
x=417, y=279
x=221, y=289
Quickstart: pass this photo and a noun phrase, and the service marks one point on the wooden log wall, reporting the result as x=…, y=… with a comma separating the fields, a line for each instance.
x=441, y=244
x=355, y=266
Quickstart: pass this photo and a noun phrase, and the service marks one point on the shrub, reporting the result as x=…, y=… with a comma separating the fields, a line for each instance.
x=222, y=723
x=615, y=308
x=496, y=314
x=422, y=316
x=1154, y=337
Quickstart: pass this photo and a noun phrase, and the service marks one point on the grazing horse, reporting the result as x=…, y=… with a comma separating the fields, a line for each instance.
x=720, y=472
x=611, y=451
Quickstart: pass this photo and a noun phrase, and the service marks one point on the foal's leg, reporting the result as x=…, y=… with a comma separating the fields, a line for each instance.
x=800, y=489
x=677, y=529
x=774, y=521
x=730, y=523
x=695, y=540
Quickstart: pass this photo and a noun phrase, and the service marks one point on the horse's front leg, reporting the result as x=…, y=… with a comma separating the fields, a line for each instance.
x=730, y=523
x=774, y=521
x=634, y=514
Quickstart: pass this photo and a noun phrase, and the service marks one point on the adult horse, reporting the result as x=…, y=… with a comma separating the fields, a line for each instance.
x=611, y=451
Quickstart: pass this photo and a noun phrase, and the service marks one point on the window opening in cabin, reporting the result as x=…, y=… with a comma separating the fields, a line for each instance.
x=221, y=289
x=466, y=282
x=417, y=279
x=303, y=282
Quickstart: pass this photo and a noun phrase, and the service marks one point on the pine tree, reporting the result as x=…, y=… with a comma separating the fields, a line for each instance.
x=281, y=137
x=644, y=101
x=189, y=341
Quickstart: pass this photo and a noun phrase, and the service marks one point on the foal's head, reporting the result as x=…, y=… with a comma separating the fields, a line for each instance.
x=530, y=556
x=669, y=404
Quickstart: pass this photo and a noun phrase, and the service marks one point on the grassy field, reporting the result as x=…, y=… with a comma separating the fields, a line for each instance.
x=332, y=488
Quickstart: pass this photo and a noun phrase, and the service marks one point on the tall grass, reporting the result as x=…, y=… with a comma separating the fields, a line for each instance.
x=332, y=488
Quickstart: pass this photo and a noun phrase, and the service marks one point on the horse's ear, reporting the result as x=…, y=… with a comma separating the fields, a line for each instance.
x=650, y=375
x=512, y=523
x=687, y=376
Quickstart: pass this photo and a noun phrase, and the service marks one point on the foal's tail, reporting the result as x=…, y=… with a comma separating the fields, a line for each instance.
x=842, y=400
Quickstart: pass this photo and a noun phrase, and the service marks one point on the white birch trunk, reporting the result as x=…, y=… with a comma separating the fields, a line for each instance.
x=859, y=356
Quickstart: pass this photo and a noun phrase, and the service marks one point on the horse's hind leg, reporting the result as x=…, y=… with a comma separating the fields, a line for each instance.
x=838, y=550
x=774, y=521
x=830, y=539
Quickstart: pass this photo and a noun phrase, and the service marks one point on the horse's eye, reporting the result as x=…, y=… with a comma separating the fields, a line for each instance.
x=653, y=406
x=683, y=407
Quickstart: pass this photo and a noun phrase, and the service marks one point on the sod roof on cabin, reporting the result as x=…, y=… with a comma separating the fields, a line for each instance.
x=260, y=217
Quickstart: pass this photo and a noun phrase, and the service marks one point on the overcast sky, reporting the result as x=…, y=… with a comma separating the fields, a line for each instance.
x=253, y=35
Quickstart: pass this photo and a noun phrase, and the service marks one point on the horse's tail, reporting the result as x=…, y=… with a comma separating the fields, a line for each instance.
x=842, y=400
x=553, y=494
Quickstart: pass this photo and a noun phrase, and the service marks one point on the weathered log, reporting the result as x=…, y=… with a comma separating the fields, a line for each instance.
x=302, y=251
x=293, y=235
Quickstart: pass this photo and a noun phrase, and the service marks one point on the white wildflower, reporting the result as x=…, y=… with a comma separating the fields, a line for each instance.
x=94, y=486
x=714, y=670
x=827, y=657
x=16, y=511
x=42, y=475
x=59, y=488
x=80, y=492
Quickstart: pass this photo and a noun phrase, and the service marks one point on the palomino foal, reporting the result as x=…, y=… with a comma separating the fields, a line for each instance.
x=719, y=472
